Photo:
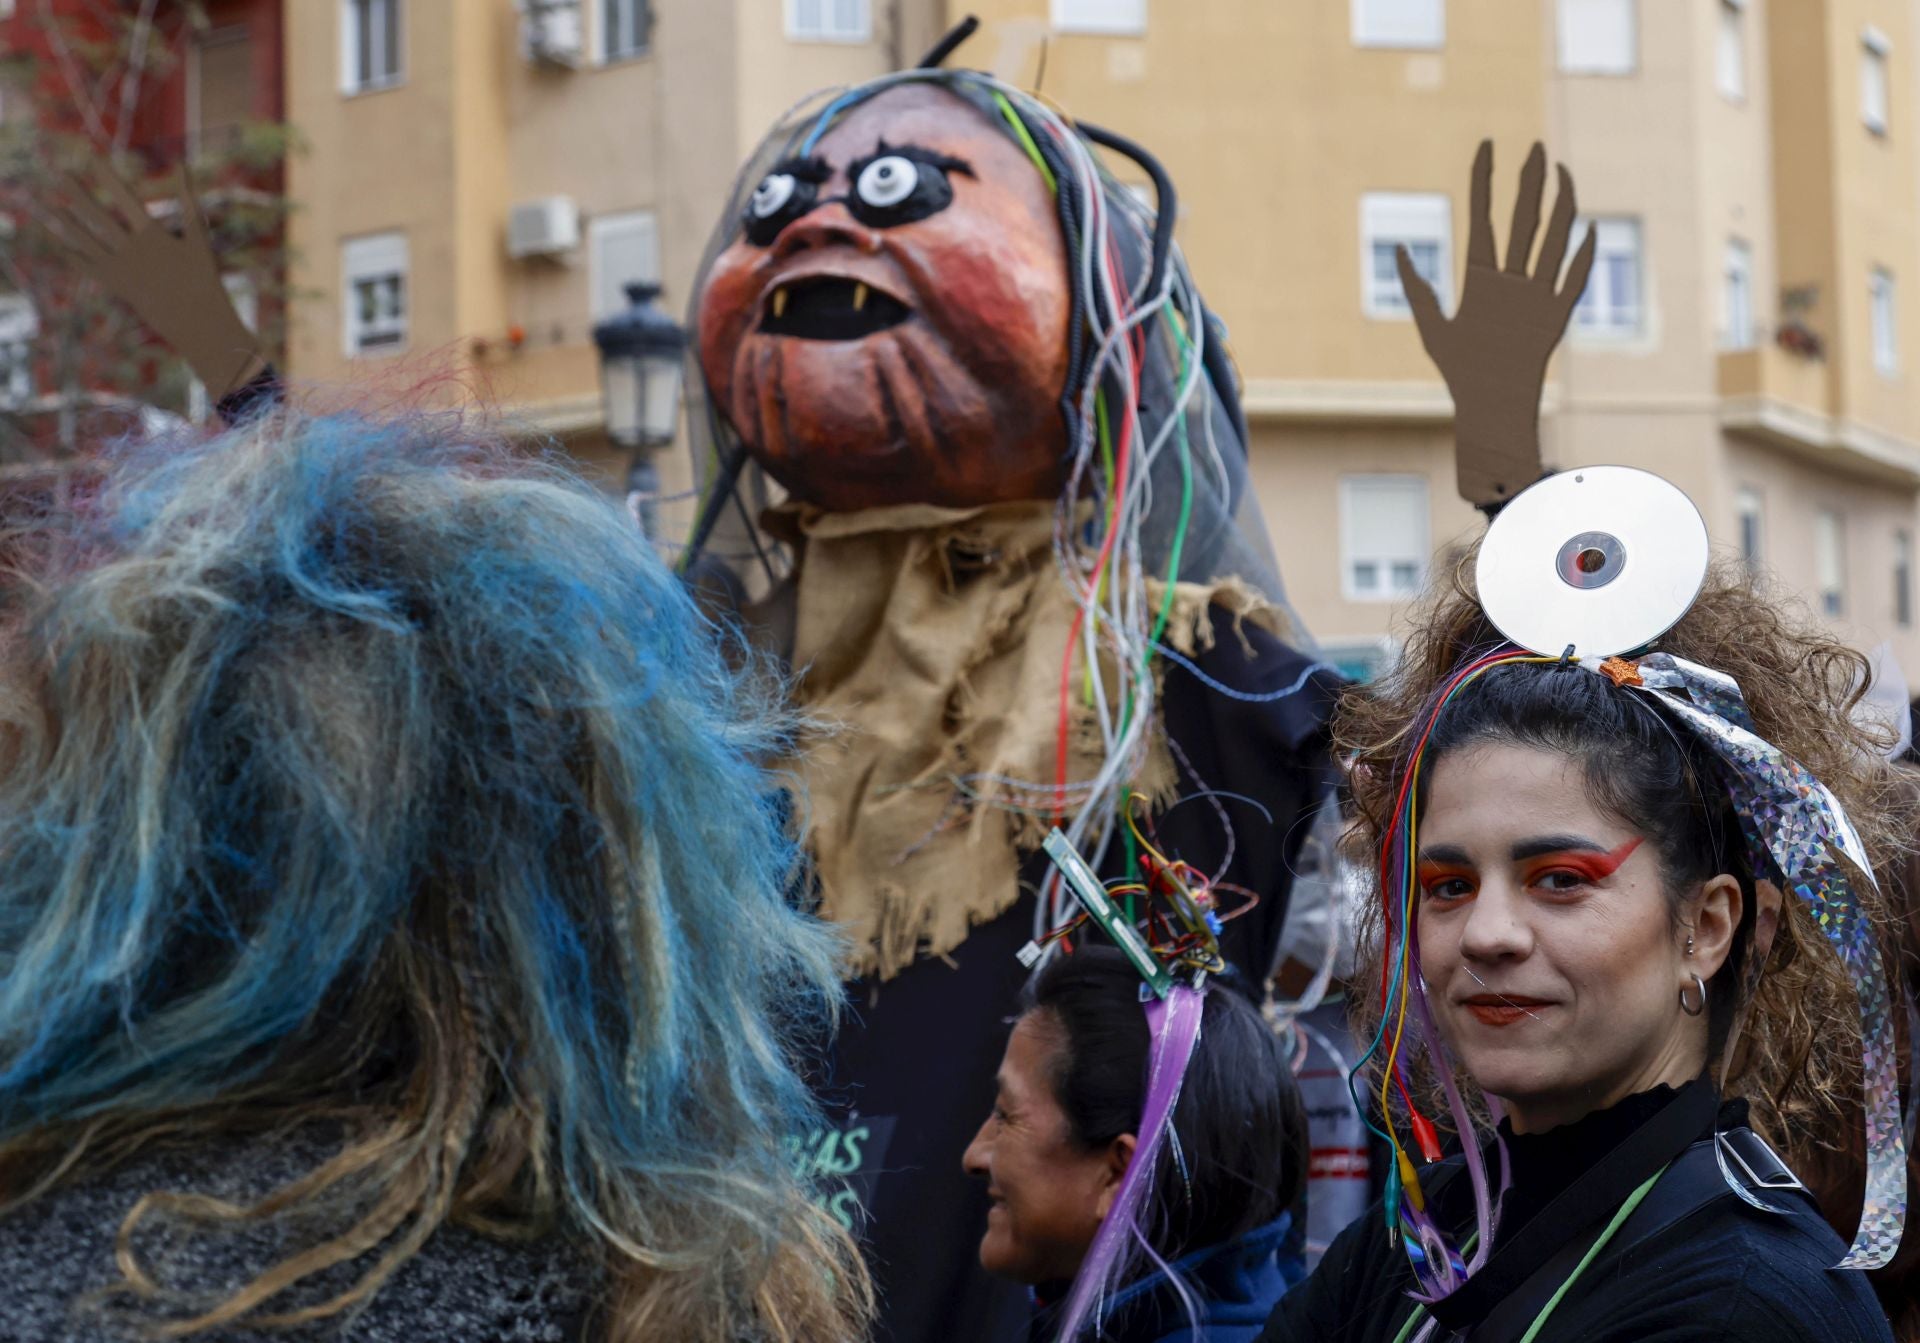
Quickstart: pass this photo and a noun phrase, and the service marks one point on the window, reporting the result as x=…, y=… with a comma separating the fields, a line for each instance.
x=19, y=324
x=1383, y=536
x=1730, y=51
x=369, y=44
x=621, y=249
x=1903, y=578
x=1597, y=37
x=1873, y=80
x=1830, y=560
x=625, y=27
x=1610, y=305
x=1399, y=23
x=1421, y=223
x=830, y=20
x=1121, y=18
x=219, y=83
x=374, y=272
x=1736, y=297
x=1884, y=315
x=1748, y=505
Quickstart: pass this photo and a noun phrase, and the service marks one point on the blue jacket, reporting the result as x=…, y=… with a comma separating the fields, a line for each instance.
x=1234, y=1287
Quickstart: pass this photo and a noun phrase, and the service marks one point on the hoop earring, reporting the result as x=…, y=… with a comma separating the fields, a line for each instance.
x=1694, y=1010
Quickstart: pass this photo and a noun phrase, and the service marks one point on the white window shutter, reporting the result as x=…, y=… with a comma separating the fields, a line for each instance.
x=1399, y=23
x=621, y=249
x=1597, y=37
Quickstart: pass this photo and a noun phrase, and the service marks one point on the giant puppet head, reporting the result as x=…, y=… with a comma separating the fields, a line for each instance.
x=929, y=289
x=889, y=323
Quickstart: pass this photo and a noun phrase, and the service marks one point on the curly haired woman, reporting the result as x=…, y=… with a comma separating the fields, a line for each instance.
x=1582, y=914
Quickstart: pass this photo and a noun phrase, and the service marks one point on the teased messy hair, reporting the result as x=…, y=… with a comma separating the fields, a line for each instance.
x=1799, y=1058
x=368, y=770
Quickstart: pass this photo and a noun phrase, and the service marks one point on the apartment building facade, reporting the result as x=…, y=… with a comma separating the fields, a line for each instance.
x=1749, y=166
x=482, y=177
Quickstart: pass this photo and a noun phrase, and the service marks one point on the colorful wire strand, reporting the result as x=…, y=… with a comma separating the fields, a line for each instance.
x=1438, y=1263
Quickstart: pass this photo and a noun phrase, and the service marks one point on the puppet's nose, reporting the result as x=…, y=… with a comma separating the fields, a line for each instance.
x=828, y=225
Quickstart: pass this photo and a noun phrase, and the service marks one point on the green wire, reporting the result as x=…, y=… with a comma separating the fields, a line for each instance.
x=1026, y=140
x=1626, y=1211
x=1593, y=1252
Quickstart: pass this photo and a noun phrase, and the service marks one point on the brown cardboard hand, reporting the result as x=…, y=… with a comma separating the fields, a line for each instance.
x=171, y=280
x=1493, y=352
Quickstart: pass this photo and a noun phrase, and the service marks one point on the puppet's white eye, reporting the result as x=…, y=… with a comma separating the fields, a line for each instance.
x=772, y=195
x=887, y=181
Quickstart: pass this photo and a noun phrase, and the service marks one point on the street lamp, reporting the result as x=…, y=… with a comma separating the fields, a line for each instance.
x=642, y=350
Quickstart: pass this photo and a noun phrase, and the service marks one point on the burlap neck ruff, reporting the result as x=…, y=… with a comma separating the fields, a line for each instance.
x=929, y=644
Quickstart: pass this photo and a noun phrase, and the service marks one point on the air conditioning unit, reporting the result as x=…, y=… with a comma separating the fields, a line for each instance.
x=552, y=33
x=545, y=227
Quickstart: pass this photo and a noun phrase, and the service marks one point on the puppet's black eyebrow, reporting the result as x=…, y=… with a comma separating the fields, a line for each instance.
x=812, y=168
x=918, y=153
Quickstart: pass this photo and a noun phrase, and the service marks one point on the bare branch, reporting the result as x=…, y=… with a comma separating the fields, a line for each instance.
x=130, y=78
x=70, y=72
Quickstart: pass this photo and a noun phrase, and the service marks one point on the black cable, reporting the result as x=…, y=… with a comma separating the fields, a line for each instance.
x=937, y=54
x=1166, y=203
x=726, y=480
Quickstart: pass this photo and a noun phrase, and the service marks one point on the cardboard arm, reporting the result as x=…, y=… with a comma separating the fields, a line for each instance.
x=1493, y=351
x=171, y=281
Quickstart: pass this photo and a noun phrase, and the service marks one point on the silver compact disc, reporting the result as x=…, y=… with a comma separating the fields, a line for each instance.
x=1605, y=558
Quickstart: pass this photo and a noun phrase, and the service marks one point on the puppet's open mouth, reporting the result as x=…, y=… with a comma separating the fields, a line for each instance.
x=829, y=307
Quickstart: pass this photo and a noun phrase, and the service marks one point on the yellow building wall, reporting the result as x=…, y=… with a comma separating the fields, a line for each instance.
x=1874, y=209
x=370, y=163
x=1273, y=124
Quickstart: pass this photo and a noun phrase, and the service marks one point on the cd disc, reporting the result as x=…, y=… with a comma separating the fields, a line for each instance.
x=1604, y=559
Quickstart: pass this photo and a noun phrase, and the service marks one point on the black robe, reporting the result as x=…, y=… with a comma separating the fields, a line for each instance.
x=912, y=1073
x=1725, y=1273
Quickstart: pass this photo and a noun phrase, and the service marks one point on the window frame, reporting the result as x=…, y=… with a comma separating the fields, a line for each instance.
x=599, y=226
x=1732, y=12
x=644, y=18
x=379, y=253
x=1610, y=332
x=828, y=32
x=1362, y=37
x=1876, y=58
x=1730, y=338
x=349, y=10
x=1351, y=486
x=1751, y=523
x=1883, y=337
x=1379, y=225
x=1830, y=526
x=1564, y=66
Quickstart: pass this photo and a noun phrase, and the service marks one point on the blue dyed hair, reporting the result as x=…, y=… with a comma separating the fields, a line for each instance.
x=372, y=767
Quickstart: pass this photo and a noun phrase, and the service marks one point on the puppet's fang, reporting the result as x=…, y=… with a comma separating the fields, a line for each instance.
x=859, y=297
x=780, y=303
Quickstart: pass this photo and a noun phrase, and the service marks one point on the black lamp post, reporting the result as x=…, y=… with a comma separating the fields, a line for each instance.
x=642, y=354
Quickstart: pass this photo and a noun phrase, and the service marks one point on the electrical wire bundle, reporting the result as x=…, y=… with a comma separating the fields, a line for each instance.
x=1172, y=907
x=1439, y=1264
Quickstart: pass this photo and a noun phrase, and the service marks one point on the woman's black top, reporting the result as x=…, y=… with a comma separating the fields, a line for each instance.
x=1724, y=1271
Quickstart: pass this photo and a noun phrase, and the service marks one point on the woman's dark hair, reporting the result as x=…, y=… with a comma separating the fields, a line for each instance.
x=1638, y=767
x=1242, y=1134
x=1799, y=1050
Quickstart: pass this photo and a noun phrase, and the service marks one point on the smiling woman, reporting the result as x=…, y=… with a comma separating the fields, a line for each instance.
x=1217, y=1222
x=1585, y=928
